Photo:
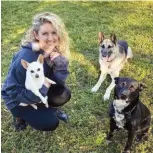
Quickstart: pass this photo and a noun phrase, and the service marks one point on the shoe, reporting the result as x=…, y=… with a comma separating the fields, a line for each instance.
x=62, y=116
x=19, y=124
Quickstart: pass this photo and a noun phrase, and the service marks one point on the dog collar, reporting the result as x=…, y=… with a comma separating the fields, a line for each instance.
x=129, y=113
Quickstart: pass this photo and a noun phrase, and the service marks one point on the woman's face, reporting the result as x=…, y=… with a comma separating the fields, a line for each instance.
x=47, y=37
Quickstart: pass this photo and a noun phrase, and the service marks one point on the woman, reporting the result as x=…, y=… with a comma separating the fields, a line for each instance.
x=47, y=36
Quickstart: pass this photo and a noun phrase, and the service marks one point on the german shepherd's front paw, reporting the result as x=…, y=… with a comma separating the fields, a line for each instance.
x=106, y=96
x=94, y=89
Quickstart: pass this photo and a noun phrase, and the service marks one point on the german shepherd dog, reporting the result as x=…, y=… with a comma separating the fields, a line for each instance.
x=128, y=112
x=113, y=55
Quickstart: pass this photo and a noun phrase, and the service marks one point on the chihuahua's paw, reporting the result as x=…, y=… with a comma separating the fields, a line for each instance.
x=34, y=106
x=47, y=105
x=94, y=89
x=44, y=100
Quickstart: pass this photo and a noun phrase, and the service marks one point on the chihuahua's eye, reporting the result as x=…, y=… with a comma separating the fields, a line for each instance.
x=32, y=71
x=38, y=69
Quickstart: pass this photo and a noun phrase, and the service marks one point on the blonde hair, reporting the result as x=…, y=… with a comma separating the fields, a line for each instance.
x=57, y=23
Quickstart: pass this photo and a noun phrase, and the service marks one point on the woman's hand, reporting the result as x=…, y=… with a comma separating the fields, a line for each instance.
x=47, y=84
x=53, y=55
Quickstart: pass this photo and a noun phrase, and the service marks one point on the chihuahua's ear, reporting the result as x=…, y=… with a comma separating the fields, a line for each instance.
x=113, y=38
x=24, y=63
x=142, y=86
x=100, y=37
x=116, y=80
x=40, y=59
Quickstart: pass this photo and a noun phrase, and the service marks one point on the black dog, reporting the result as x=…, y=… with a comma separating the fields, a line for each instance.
x=58, y=94
x=128, y=112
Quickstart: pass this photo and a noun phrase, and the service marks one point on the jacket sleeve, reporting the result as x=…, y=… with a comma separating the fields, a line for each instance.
x=16, y=86
x=59, y=66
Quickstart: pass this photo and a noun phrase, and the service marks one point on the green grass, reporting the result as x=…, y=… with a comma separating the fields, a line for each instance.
x=86, y=131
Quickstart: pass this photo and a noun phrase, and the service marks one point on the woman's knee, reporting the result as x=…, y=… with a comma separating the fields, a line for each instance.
x=43, y=120
x=51, y=126
x=46, y=125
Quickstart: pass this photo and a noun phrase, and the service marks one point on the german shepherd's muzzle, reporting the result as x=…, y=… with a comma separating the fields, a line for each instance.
x=113, y=55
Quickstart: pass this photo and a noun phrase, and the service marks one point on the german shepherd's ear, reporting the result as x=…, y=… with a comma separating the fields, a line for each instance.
x=40, y=59
x=142, y=86
x=24, y=63
x=100, y=37
x=116, y=80
x=113, y=38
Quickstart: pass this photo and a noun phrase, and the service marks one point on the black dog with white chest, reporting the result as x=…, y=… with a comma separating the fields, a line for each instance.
x=128, y=112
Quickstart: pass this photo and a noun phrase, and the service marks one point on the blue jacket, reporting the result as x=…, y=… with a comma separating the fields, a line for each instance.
x=13, y=90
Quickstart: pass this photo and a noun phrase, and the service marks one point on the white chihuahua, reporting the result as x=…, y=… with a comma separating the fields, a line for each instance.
x=35, y=79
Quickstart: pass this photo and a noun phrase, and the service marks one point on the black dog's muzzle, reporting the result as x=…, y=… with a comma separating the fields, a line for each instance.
x=123, y=95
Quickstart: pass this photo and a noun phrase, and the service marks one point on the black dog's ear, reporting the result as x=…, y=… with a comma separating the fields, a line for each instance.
x=100, y=37
x=116, y=80
x=113, y=38
x=142, y=86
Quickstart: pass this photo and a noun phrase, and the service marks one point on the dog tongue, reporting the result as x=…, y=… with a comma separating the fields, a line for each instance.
x=105, y=59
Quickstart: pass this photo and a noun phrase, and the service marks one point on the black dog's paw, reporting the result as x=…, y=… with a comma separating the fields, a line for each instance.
x=19, y=124
x=138, y=139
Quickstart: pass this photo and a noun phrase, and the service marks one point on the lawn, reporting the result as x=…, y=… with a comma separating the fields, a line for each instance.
x=89, y=122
